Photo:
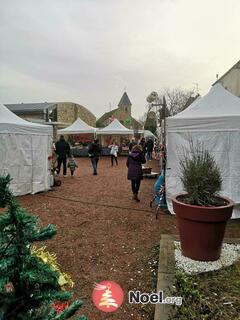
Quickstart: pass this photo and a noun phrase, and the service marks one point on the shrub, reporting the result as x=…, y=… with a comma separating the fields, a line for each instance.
x=200, y=176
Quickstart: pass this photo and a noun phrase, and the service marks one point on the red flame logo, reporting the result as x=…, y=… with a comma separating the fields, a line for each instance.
x=107, y=296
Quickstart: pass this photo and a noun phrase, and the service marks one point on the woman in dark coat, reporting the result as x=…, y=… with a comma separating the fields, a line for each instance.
x=135, y=174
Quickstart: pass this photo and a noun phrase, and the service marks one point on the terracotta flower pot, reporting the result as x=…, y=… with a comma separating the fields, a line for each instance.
x=202, y=229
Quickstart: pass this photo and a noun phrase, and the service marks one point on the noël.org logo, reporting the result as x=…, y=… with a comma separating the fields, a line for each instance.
x=153, y=298
x=108, y=297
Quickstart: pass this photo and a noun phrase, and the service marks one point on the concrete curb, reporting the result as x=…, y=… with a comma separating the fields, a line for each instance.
x=166, y=271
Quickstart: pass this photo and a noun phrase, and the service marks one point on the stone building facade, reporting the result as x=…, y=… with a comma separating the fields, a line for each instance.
x=68, y=112
x=62, y=113
x=231, y=80
x=58, y=114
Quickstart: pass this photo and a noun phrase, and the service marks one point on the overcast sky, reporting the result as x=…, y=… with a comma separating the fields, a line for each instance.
x=90, y=51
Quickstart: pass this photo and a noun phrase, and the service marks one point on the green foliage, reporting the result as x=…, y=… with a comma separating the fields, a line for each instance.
x=200, y=176
x=208, y=296
x=33, y=284
x=188, y=290
x=5, y=194
x=151, y=122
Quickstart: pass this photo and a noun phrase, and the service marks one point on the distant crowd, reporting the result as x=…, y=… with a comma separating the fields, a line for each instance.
x=139, y=152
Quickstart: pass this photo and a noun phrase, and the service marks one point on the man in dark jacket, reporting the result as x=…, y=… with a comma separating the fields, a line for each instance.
x=94, y=152
x=131, y=144
x=62, y=151
x=149, y=146
x=135, y=174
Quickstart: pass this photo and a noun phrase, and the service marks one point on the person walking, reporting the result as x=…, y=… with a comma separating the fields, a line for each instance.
x=114, y=152
x=131, y=144
x=134, y=163
x=72, y=165
x=63, y=151
x=143, y=145
x=149, y=146
x=94, y=154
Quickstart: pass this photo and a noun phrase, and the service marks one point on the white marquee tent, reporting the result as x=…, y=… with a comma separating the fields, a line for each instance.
x=24, y=151
x=215, y=121
x=147, y=134
x=79, y=126
x=115, y=128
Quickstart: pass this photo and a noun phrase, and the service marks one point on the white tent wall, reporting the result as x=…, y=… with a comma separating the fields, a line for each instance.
x=16, y=160
x=214, y=120
x=41, y=150
x=25, y=158
x=224, y=146
x=24, y=151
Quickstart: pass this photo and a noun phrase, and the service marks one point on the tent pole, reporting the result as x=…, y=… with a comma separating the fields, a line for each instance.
x=164, y=106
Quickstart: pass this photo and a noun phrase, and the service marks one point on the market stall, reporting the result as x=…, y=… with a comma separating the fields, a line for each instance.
x=114, y=131
x=25, y=150
x=80, y=134
x=214, y=120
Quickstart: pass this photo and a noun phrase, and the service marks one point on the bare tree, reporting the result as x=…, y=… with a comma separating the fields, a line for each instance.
x=179, y=99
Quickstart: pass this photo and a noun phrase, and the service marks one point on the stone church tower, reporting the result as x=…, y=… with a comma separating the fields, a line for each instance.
x=125, y=104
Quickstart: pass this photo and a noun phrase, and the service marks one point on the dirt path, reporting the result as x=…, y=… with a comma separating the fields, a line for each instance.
x=102, y=233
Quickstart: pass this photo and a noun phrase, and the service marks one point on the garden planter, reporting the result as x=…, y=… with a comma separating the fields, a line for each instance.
x=202, y=229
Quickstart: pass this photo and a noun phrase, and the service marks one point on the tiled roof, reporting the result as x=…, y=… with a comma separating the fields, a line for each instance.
x=124, y=102
x=29, y=107
x=104, y=117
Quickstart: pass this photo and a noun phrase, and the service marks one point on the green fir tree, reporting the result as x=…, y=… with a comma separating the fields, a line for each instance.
x=28, y=287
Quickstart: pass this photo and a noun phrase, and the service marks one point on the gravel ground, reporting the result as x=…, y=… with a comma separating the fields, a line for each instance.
x=102, y=233
x=230, y=254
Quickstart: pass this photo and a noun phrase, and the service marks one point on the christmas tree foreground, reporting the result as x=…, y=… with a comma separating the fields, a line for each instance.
x=28, y=286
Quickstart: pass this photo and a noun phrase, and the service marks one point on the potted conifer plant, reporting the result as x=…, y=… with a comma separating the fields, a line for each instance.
x=201, y=212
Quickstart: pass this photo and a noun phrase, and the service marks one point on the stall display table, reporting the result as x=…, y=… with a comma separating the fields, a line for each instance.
x=148, y=173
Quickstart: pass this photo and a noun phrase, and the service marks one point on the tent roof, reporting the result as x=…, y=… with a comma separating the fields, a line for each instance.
x=147, y=133
x=218, y=110
x=115, y=127
x=79, y=126
x=11, y=123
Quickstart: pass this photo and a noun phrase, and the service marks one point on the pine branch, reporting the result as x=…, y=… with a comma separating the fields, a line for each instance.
x=34, y=284
x=67, y=313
